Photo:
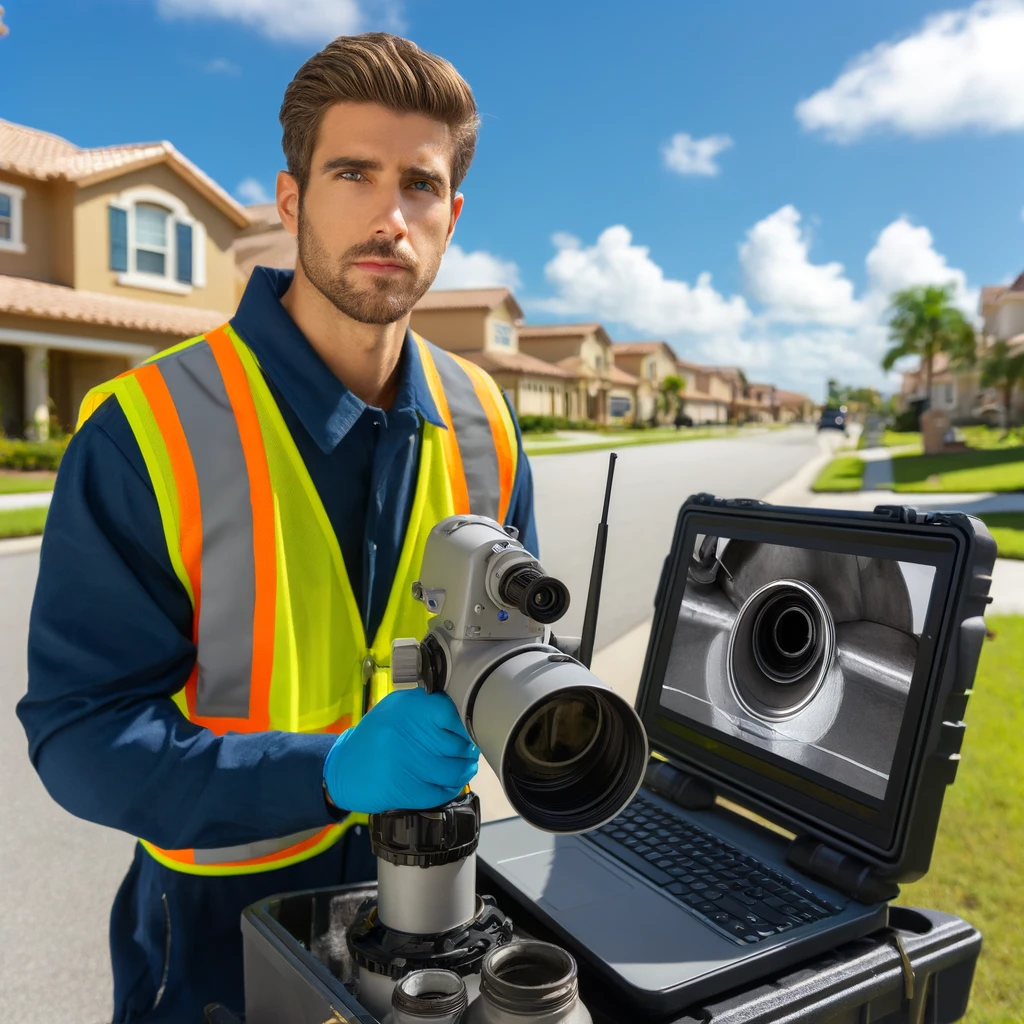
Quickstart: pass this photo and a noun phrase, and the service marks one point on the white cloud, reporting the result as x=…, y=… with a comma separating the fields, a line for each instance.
x=478, y=269
x=251, y=191
x=313, y=22
x=221, y=66
x=687, y=155
x=617, y=281
x=779, y=274
x=904, y=256
x=961, y=69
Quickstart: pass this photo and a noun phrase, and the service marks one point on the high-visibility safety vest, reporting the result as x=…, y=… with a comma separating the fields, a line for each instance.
x=279, y=638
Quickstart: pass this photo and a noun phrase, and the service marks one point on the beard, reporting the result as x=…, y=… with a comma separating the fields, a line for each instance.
x=386, y=299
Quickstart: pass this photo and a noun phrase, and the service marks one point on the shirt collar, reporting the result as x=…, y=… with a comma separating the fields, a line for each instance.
x=326, y=408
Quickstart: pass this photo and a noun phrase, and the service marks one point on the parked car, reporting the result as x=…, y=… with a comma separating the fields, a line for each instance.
x=833, y=419
x=682, y=420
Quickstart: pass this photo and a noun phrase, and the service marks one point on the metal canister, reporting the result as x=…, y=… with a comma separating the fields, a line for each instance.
x=528, y=982
x=428, y=997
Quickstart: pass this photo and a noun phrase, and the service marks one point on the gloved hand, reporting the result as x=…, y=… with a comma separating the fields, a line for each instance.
x=411, y=751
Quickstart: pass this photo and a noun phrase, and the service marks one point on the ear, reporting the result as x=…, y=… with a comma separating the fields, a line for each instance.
x=456, y=210
x=288, y=202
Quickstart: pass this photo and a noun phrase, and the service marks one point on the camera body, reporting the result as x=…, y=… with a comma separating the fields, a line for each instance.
x=570, y=753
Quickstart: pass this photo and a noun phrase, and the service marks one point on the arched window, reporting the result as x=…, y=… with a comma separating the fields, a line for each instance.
x=155, y=242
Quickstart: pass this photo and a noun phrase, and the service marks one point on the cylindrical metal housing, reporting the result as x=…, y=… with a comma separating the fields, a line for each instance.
x=427, y=901
x=428, y=997
x=570, y=752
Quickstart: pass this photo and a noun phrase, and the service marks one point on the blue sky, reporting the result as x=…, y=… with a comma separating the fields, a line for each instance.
x=747, y=180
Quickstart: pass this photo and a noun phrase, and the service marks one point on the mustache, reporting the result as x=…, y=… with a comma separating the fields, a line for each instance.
x=381, y=250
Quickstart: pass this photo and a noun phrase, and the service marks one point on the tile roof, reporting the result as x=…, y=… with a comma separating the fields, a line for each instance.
x=556, y=330
x=1018, y=285
x=24, y=297
x=468, y=298
x=516, y=362
x=619, y=376
x=990, y=293
x=639, y=348
x=43, y=156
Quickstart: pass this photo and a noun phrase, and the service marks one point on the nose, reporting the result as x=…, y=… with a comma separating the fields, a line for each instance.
x=389, y=220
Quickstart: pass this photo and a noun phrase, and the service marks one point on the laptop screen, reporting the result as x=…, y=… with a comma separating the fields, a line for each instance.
x=801, y=659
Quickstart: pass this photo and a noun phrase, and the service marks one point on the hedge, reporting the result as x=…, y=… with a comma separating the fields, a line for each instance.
x=30, y=455
x=530, y=424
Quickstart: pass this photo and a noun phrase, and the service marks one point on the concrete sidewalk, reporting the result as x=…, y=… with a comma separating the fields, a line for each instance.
x=28, y=499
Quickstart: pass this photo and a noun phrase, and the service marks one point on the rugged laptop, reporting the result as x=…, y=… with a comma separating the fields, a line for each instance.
x=811, y=667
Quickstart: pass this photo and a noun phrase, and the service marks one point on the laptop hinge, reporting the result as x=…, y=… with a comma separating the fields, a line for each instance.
x=841, y=871
x=679, y=787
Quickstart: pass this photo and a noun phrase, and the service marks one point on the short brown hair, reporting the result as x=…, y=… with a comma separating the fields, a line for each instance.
x=376, y=67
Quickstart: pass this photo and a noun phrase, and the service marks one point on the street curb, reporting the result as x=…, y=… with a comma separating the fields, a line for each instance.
x=20, y=545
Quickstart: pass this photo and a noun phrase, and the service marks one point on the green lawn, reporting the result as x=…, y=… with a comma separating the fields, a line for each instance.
x=22, y=522
x=22, y=483
x=1007, y=528
x=627, y=439
x=996, y=469
x=843, y=474
x=976, y=866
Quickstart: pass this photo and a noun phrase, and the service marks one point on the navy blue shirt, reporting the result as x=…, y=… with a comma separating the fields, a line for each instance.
x=111, y=624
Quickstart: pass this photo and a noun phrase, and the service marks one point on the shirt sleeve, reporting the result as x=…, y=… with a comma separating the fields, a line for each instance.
x=520, y=508
x=109, y=644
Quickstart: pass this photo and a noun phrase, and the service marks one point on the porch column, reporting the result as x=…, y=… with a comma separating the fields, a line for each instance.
x=37, y=391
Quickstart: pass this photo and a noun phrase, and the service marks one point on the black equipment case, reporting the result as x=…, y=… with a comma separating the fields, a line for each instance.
x=917, y=971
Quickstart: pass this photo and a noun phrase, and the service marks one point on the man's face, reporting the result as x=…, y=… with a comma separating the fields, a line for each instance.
x=377, y=212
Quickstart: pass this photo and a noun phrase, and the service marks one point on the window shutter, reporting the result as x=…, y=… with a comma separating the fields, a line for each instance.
x=118, y=238
x=184, y=241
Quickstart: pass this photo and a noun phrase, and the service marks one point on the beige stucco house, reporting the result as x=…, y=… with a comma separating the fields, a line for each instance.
x=650, y=362
x=707, y=396
x=483, y=325
x=598, y=390
x=106, y=256
x=958, y=390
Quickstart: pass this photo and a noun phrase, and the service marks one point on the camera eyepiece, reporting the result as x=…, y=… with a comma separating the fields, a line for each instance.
x=541, y=598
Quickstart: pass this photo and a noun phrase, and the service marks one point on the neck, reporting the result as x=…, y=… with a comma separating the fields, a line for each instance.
x=364, y=357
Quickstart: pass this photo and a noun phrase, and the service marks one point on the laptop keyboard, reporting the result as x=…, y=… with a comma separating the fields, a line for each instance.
x=738, y=894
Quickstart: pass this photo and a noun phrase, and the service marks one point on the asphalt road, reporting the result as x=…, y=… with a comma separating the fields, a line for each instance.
x=59, y=874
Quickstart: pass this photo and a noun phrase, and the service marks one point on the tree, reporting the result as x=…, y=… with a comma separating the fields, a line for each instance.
x=1003, y=369
x=670, y=389
x=924, y=322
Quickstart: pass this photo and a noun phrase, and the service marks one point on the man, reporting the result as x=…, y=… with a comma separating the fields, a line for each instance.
x=234, y=535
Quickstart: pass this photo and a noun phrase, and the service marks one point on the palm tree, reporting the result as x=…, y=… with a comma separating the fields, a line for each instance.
x=924, y=322
x=1003, y=369
x=670, y=388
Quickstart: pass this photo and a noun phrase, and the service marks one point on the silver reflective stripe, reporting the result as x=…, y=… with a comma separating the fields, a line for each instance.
x=228, y=585
x=473, y=432
x=250, y=851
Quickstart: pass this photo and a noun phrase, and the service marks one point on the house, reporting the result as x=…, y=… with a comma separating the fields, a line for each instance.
x=762, y=397
x=263, y=243
x=957, y=389
x=793, y=407
x=650, y=362
x=599, y=391
x=107, y=255
x=483, y=325
x=707, y=395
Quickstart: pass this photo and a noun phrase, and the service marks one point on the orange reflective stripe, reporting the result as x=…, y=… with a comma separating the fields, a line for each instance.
x=190, y=518
x=264, y=542
x=460, y=492
x=501, y=444
x=291, y=851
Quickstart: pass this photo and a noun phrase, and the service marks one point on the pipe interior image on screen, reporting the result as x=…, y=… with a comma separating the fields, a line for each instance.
x=804, y=653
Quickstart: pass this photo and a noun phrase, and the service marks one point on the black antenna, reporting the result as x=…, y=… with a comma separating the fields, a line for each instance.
x=596, y=574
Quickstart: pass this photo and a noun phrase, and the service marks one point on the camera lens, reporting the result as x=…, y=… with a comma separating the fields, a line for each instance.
x=541, y=598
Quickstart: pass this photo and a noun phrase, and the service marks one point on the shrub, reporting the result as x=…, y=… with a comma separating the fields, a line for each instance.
x=532, y=424
x=906, y=422
x=32, y=455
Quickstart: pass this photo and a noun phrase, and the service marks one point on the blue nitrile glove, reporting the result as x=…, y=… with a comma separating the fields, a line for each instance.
x=411, y=751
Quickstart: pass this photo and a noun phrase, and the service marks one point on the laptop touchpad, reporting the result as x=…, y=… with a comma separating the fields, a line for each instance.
x=565, y=878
